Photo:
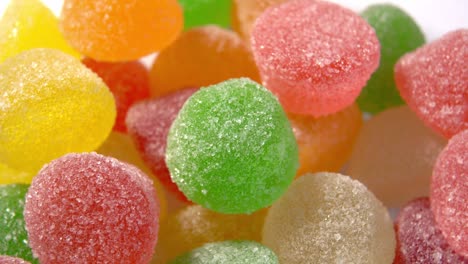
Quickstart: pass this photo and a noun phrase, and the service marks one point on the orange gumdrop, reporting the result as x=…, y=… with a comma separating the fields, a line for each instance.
x=119, y=30
x=202, y=56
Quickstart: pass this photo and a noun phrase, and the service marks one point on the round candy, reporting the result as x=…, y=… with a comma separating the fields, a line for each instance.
x=231, y=148
x=314, y=55
x=120, y=30
x=449, y=192
x=433, y=81
x=12, y=260
x=398, y=34
x=229, y=252
x=9, y=175
x=329, y=218
x=91, y=208
x=199, y=57
x=128, y=82
x=419, y=239
x=199, y=13
x=51, y=105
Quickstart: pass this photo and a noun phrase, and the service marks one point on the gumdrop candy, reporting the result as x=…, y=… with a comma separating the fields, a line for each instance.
x=433, y=81
x=207, y=12
x=314, y=55
x=10, y=176
x=110, y=30
x=12, y=260
x=51, y=105
x=91, y=208
x=231, y=148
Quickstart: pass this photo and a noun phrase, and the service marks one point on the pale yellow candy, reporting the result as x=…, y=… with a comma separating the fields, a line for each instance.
x=10, y=176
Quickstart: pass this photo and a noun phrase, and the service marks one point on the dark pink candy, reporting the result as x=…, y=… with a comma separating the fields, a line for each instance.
x=12, y=260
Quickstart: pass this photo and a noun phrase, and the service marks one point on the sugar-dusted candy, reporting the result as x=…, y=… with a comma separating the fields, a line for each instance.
x=12, y=260
x=128, y=82
x=449, y=192
x=120, y=30
x=51, y=105
x=92, y=209
x=398, y=34
x=206, y=12
x=9, y=175
x=329, y=218
x=229, y=252
x=28, y=24
x=314, y=55
x=419, y=240
x=231, y=149
x=433, y=80
x=201, y=56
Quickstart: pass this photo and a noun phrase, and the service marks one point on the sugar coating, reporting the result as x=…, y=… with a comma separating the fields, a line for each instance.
x=419, y=239
x=14, y=239
x=88, y=208
x=394, y=156
x=120, y=30
x=433, y=80
x=12, y=260
x=449, y=192
x=51, y=104
x=28, y=24
x=229, y=252
x=194, y=226
x=148, y=124
x=329, y=218
x=201, y=56
x=204, y=12
x=9, y=175
x=398, y=34
x=325, y=143
x=231, y=149
x=314, y=55
x=128, y=82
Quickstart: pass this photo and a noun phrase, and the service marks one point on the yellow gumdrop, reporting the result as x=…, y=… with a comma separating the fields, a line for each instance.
x=29, y=24
x=51, y=104
x=11, y=176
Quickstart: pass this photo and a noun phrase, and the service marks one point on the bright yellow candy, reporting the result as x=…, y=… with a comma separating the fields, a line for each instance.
x=11, y=176
x=51, y=104
x=29, y=24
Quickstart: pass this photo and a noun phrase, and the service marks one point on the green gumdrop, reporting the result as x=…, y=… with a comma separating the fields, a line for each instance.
x=398, y=34
x=13, y=235
x=231, y=149
x=205, y=12
x=229, y=252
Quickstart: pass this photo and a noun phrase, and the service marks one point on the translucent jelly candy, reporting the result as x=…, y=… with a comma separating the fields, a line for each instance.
x=12, y=260
x=148, y=124
x=9, y=175
x=314, y=55
x=394, y=155
x=449, y=192
x=51, y=104
x=398, y=34
x=229, y=252
x=110, y=30
x=199, y=13
x=128, y=82
x=14, y=239
x=231, y=148
x=91, y=208
x=329, y=218
x=199, y=57
x=194, y=226
x=325, y=143
x=419, y=239
x=433, y=81
x=28, y=24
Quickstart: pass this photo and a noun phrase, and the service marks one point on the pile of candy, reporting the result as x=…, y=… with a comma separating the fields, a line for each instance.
x=229, y=148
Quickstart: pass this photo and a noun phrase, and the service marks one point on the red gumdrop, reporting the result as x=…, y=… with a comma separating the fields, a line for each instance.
x=449, y=192
x=419, y=241
x=433, y=80
x=314, y=55
x=148, y=124
x=128, y=82
x=88, y=208
x=12, y=260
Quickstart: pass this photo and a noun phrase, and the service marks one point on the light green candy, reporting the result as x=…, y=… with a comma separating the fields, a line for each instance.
x=206, y=12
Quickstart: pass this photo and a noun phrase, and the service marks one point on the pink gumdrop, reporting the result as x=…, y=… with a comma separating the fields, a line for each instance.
x=148, y=124
x=433, y=80
x=12, y=260
x=88, y=208
x=314, y=55
x=419, y=241
x=449, y=192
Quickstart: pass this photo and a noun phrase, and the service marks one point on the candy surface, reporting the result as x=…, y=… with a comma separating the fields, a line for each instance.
x=12, y=260
x=433, y=81
x=199, y=13
x=91, y=208
x=314, y=55
x=51, y=104
x=9, y=175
